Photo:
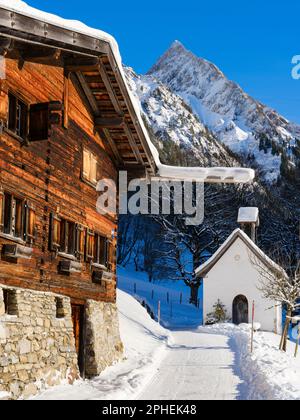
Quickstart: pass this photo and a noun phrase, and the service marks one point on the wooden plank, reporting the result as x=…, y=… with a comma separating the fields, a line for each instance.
x=88, y=93
x=132, y=112
x=113, y=146
x=53, y=35
x=66, y=98
x=109, y=122
x=110, y=90
x=133, y=144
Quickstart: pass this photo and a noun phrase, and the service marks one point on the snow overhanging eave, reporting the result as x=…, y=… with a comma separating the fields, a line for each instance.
x=207, y=175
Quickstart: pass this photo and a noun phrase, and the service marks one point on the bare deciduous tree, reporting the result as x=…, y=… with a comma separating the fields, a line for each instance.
x=281, y=286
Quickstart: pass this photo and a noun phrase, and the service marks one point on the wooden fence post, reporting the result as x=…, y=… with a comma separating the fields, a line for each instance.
x=158, y=312
x=297, y=343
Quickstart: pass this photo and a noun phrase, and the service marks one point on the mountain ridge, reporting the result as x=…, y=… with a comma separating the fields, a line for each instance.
x=249, y=128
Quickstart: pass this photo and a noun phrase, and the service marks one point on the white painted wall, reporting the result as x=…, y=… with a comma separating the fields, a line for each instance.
x=233, y=275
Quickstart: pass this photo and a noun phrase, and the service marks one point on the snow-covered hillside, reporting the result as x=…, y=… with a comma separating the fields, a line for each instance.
x=174, y=298
x=249, y=128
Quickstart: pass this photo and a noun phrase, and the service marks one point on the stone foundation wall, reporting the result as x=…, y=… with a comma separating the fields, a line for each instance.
x=103, y=342
x=37, y=346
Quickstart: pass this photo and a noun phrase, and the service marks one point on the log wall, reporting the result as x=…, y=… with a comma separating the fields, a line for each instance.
x=48, y=173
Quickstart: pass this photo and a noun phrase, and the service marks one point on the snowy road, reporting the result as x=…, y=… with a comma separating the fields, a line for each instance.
x=197, y=366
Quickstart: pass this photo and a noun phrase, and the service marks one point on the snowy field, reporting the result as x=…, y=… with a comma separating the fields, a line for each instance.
x=174, y=313
x=211, y=363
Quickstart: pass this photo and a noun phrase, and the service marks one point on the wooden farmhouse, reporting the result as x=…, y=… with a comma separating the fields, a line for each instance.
x=66, y=121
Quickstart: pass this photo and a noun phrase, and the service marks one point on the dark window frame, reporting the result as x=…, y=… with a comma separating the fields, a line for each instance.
x=67, y=237
x=18, y=114
x=10, y=302
x=14, y=212
x=60, y=310
x=100, y=250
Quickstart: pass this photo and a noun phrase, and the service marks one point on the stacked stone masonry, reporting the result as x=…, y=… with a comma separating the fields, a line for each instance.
x=37, y=349
x=37, y=345
x=104, y=345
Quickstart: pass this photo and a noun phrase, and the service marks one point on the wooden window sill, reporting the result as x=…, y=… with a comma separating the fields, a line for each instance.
x=67, y=256
x=99, y=266
x=12, y=238
x=15, y=136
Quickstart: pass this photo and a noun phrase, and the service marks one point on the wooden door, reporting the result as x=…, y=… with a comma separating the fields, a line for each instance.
x=78, y=319
x=240, y=310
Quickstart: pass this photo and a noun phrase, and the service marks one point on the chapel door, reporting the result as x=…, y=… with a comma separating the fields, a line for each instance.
x=240, y=310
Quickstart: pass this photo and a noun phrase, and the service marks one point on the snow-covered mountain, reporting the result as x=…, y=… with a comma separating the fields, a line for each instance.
x=246, y=126
x=173, y=121
x=198, y=117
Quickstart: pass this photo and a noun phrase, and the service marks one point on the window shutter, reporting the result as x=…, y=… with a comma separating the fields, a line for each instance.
x=30, y=223
x=86, y=170
x=80, y=241
x=54, y=243
x=110, y=254
x=39, y=123
x=41, y=116
x=94, y=165
x=12, y=112
x=90, y=245
x=1, y=211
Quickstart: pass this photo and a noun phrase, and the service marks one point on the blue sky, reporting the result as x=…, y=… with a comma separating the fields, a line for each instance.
x=251, y=42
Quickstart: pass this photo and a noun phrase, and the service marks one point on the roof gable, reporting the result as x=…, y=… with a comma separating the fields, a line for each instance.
x=204, y=269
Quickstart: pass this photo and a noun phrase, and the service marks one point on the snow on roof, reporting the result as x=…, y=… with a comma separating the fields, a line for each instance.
x=237, y=175
x=238, y=233
x=248, y=215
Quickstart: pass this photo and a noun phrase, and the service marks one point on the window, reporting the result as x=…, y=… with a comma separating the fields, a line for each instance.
x=13, y=216
x=90, y=245
x=100, y=250
x=67, y=237
x=17, y=116
x=60, y=312
x=17, y=217
x=32, y=122
x=10, y=302
x=89, y=170
x=41, y=117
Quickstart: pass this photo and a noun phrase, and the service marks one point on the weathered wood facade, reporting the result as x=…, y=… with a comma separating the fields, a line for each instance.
x=93, y=113
x=66, y=121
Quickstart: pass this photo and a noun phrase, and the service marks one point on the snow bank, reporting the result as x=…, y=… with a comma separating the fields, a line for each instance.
x=268, y=373
x=241, y=175
x=145, y=345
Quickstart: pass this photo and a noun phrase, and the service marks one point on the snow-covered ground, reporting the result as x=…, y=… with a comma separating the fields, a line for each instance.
x=201, y=363
x=175, y=313
x=145, y=347
x=268, y=374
